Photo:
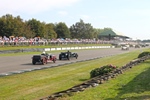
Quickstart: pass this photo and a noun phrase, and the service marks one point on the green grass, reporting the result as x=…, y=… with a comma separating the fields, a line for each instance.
x=42, y=83
x=134, y=84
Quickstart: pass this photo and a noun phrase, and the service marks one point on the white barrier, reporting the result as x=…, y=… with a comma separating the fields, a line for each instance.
x=79, y=48
x=47, y=49
x=68, y=48
x=72, y=48
x=64, y=48
x=76, y=48
x=58, y=48
x=52, y=49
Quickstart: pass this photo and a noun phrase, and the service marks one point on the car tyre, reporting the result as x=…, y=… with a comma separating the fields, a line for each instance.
x=54, y=60
x=60, y=58
x=68, y=58
x=44, y=61
x=76, y=56
x=33, y=62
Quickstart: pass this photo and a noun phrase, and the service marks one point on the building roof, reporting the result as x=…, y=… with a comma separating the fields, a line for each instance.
x=114, y=33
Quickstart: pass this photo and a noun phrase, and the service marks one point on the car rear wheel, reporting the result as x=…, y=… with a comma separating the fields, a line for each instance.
x=60, y=57
x=68, y=58
x=54, y=60
x=33, y=62
x=76, y=57
x=44, y=61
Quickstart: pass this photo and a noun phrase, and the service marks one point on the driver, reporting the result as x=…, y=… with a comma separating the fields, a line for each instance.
x=45, y=54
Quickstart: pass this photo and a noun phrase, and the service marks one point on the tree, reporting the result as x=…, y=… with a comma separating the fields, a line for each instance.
x=10, y=25
x=96, y=32
x=50, y=32
x=27, y=32
x=82, y=30
x=2, y=26
x=36, y=27
x=62, y=30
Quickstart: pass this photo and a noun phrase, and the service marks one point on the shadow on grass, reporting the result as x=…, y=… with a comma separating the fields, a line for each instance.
x=83, y=79
x=143, y=97
x=140, y=84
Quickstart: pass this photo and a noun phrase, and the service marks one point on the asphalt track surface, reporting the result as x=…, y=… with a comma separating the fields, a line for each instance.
x=17, y=64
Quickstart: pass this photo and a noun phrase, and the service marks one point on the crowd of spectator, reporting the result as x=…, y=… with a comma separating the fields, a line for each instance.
x=11, y=40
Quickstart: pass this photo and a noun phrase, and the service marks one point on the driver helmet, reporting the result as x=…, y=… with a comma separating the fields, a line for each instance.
x=43, y=52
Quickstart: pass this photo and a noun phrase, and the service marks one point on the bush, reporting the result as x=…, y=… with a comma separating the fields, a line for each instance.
x=143, y=54
x=102, y=70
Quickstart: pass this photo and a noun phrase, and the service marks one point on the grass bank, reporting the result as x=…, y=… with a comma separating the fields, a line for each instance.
x=134, y=84
x=42, y=83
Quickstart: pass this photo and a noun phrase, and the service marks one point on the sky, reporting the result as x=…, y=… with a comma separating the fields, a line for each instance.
x=128, y=17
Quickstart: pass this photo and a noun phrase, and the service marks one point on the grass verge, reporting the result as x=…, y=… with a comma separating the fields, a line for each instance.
x=42, y=83
x=134, y=84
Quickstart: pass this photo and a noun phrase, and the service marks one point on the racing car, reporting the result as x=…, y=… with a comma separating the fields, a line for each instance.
x=67, y=55
x=44, y=58
x=125, y=47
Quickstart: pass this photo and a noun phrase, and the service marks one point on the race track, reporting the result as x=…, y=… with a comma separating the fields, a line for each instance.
x=18, y=64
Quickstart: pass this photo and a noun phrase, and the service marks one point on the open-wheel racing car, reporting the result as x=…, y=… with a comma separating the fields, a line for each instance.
x=44, y=58
x=67, y=55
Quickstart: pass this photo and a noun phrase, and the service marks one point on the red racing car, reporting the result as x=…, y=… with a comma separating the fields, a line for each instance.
x=44, y=58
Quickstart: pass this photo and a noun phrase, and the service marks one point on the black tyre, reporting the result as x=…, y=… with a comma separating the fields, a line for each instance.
x=76, y=56
x=68, y=57
x=44, y=61
x=60, y=57
x=33, y=62
x=54, y=60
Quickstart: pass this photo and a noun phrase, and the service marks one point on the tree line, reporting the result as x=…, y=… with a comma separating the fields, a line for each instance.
x=16, y=26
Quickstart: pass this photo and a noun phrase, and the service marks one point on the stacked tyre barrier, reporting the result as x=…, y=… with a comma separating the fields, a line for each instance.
x=93, y=82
